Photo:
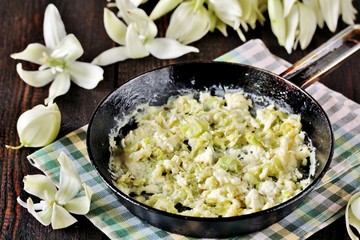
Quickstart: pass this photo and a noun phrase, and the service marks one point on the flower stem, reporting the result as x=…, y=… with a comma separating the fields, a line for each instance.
x=15, y=147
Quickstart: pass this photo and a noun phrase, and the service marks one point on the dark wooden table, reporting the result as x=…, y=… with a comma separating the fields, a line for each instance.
x=21, y=24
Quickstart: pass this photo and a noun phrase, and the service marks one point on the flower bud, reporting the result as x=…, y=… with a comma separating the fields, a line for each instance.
x=38, y=126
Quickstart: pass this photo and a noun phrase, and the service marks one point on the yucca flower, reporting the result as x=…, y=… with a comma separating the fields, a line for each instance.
x=294, y=21
x=189, y=22
x=136, y=34
x=38, y=126
x=230, y=13
x=57, y=59
x=57, y=202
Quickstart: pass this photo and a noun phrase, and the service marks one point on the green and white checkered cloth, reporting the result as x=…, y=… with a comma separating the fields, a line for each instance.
x=321, y=207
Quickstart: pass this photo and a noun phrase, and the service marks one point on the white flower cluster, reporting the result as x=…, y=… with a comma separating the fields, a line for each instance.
x=136, y=34
x=188, y=16
x=293, y=22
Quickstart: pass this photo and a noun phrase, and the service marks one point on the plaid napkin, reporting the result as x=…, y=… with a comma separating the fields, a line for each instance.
x=321, y=207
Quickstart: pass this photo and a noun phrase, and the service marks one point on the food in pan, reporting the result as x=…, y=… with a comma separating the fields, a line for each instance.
x=210, y=156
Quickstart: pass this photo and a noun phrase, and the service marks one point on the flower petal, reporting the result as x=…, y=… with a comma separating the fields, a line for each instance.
x=145, y=27
x=134, y=45
x=114, y=27
x=292, y=21
x=129, y=11
x=80, y=205
x=85, y=75
x=229, y=11
x=69, y=48
x=163, y=7
x=59, y=86
x=213, y=19
x=277, y=19
x=35, y=78
x=221, y=26
x=21, y=202
x=39, y=126
x=352, y=215
x=241, y=34
x=33, y=53
x=111, y=56
x=140, y=21
x=187, y=25
x=307, y=25
x=166, y=48
x=355, y=207
x=38, y=184
x=61, y=218
x=288, y=4
x=44, y=216
x=257, y=9
x=315, y=5
x=70, y=182
x=37, y=206
x=124, y=8
x=330, y=10
x=246, y=7
x=137, y=2
x=348, y=11
x=54, y=29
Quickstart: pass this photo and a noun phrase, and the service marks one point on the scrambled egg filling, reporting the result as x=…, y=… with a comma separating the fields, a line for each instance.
x=209, y=157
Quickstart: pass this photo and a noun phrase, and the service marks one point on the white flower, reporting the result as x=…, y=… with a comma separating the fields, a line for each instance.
x=352, y=215
x=277, y=20
x=235, y=13
x=189, y=22
x=307, y=24
x=57, y=59
x=57, y=202
x=38, y=126
x=315, y=5
x=252, y=12
x=332, y=9
x=292, y=22
x=137, y=37
x=348, y=11
x=229, y=12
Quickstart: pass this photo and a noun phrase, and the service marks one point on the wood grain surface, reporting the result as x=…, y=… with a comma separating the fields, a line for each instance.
x=21, y=24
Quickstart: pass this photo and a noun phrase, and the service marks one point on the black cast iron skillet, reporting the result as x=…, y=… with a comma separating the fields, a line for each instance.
x=158, y=85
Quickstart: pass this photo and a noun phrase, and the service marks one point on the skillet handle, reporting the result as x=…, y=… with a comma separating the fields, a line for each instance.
x=325, y=58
